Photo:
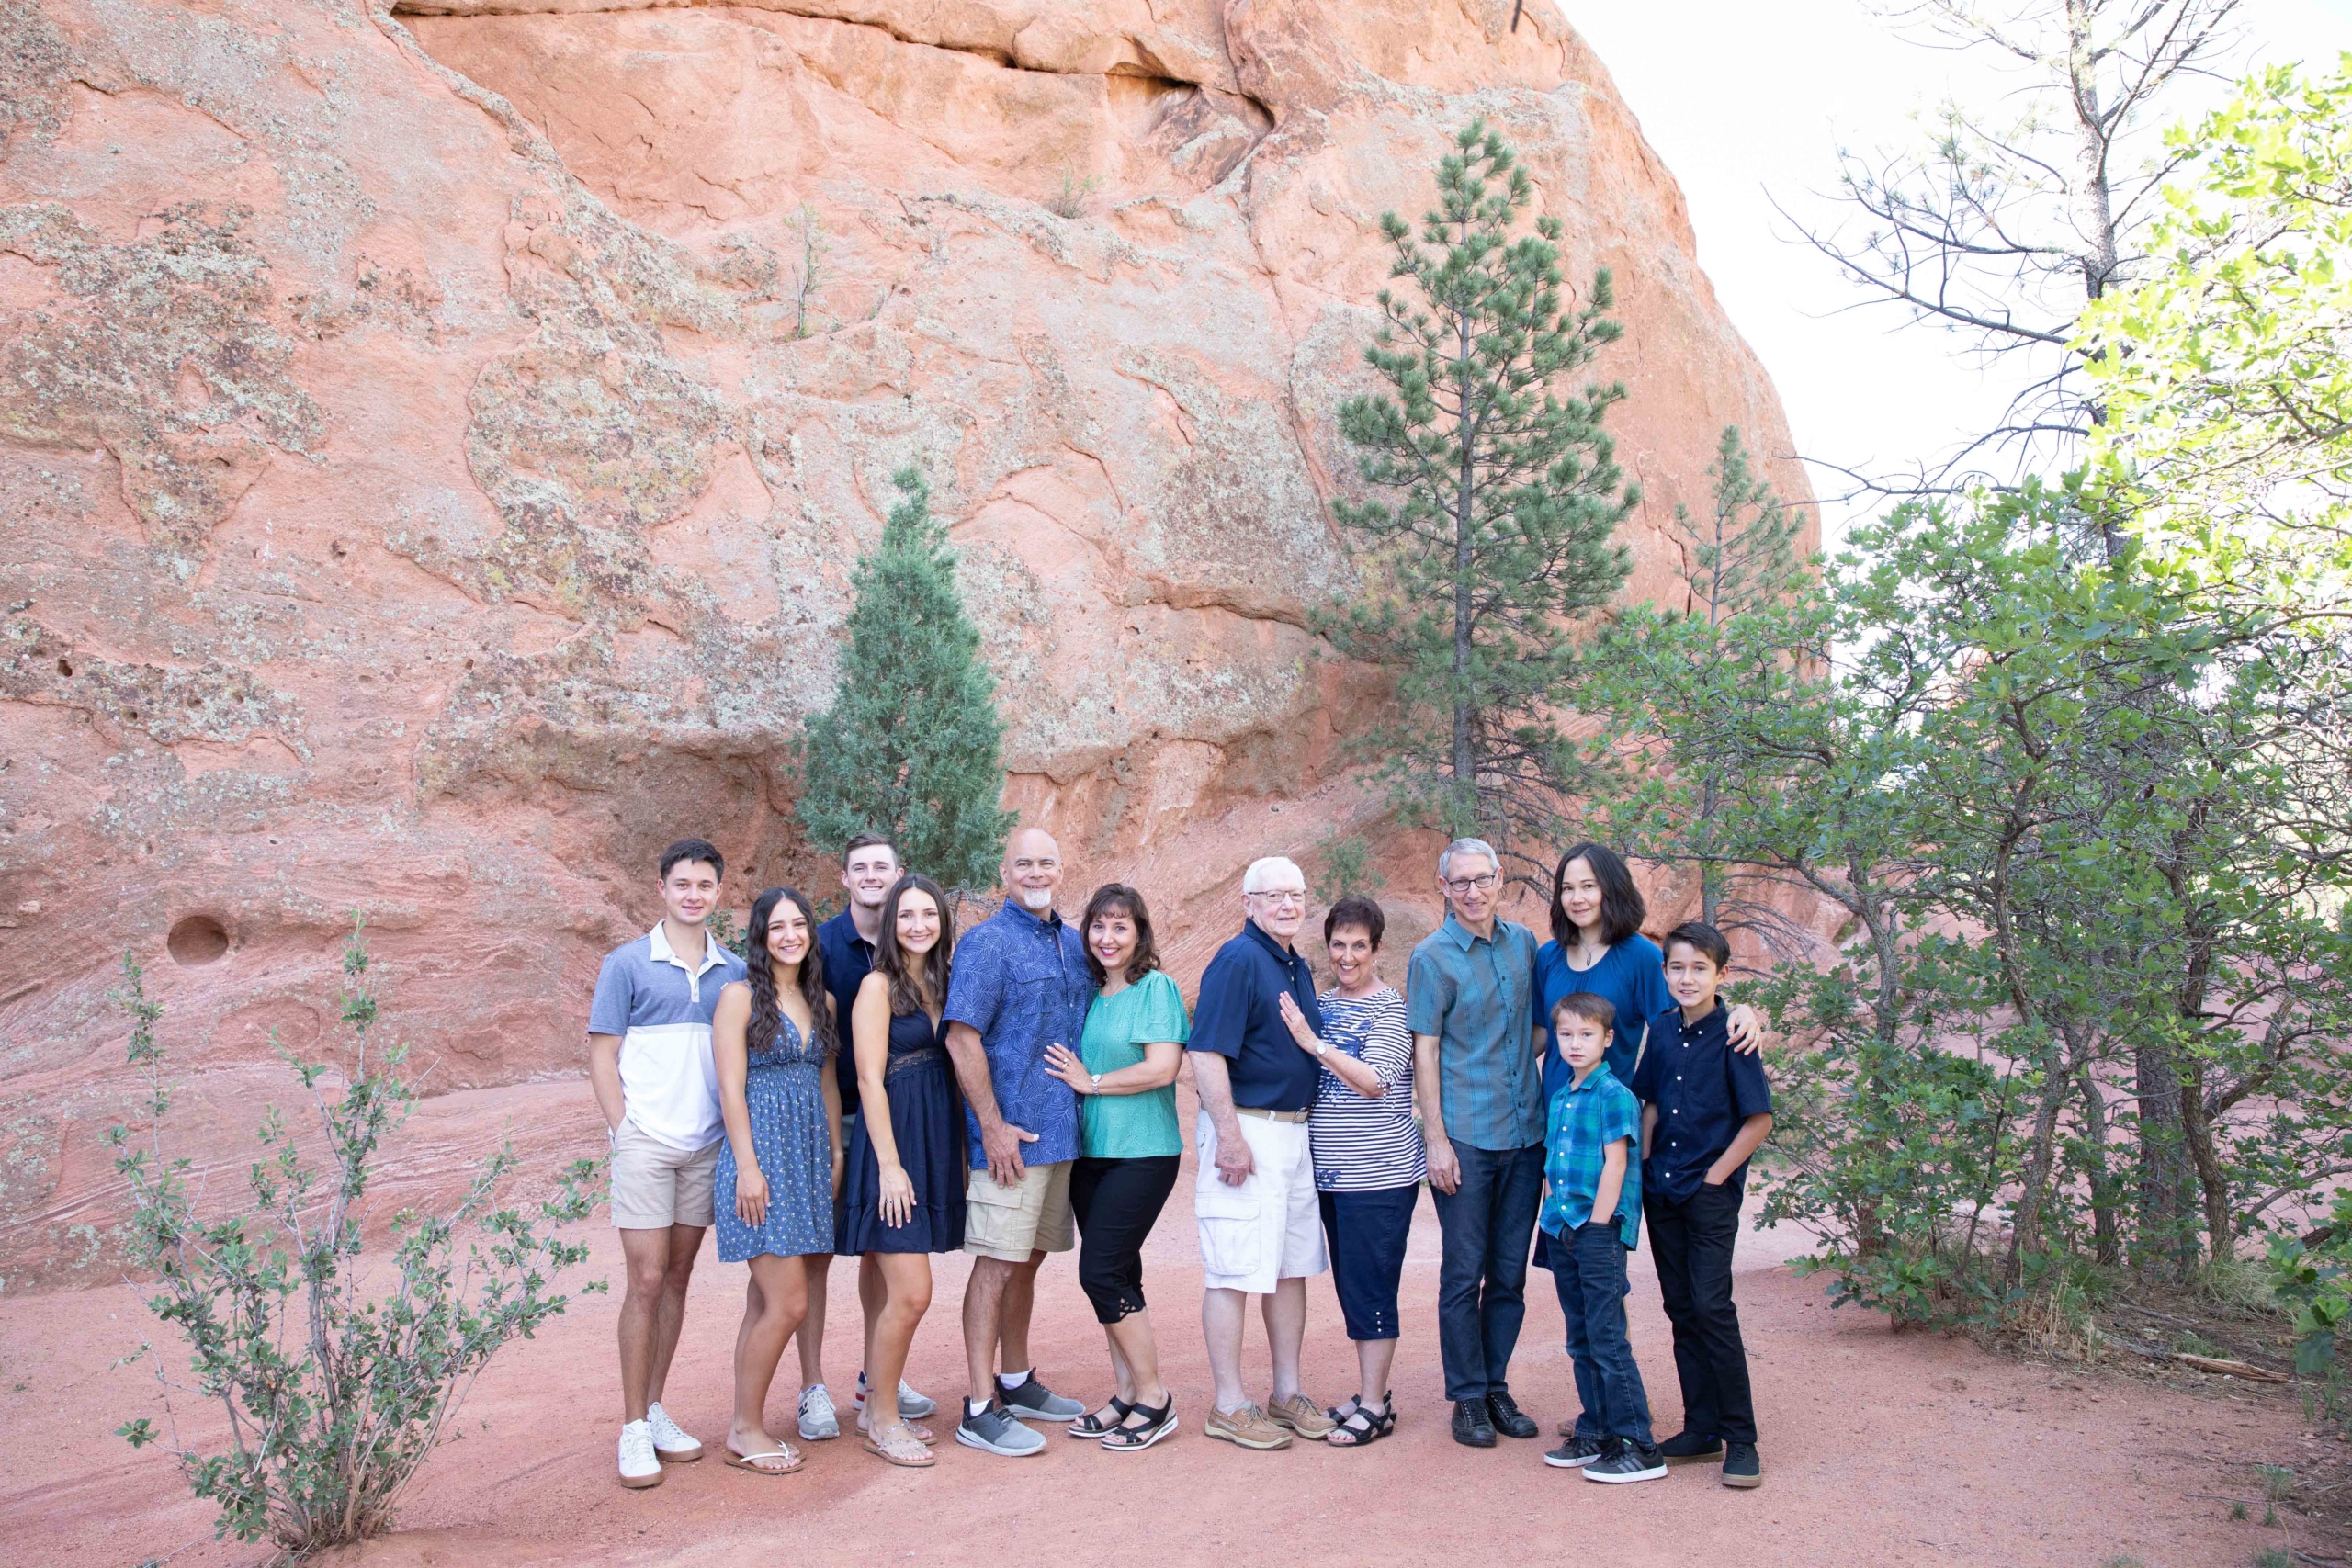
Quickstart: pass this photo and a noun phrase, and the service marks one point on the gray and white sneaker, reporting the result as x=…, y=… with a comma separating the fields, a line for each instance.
x=1033, y=1401
x=1622, y=1462
x=818, y=1420
x=994, y=1431
x=913, y=1404
x=1574, y=1452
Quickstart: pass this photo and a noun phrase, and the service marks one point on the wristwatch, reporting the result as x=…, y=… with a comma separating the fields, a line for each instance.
x=1322, y=1049
x=1095, y=1083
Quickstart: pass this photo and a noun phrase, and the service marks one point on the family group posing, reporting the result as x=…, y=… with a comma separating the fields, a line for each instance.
x=875, y=1087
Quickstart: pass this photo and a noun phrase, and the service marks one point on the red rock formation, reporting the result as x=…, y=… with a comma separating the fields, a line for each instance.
x=427, y=485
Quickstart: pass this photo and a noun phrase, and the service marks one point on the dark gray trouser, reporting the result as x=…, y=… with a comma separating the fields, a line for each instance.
x=1487, y=1223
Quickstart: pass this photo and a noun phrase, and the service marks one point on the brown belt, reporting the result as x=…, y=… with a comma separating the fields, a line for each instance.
x=1291, y=1116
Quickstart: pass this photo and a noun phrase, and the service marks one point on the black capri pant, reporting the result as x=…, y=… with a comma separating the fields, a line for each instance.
x=1117, y=1202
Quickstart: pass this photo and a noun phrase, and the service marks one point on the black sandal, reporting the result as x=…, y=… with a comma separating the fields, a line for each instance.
x=1159, y=1421
x=1091, y=1424
x=1362, y=1427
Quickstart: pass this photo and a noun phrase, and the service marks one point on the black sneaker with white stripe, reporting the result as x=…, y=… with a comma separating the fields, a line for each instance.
x=1622, y=1462
x=1575, y=1452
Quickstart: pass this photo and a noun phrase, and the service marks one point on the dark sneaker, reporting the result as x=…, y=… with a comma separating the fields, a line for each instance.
x=994, y=1431
x=1626, y=1462
x=1573, y=1453
x=1033, y=1401
x=1686, y=1447
x=1741, y=1467
x=1473, y=1427
x=1508, y=1417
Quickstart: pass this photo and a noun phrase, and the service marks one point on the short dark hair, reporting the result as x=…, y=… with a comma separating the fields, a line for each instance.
x=1586, y=1005
x=1119, y=896
x=1621, y=909
x=1355, y=910
x=693, y=849
x=1704, y=938
x=868, y=841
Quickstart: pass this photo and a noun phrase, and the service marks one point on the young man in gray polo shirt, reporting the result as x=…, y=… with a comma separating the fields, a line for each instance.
x=1478, y=1065
x=648, y=1057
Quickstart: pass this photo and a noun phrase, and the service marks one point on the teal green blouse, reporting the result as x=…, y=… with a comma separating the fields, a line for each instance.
x=1131, y=1126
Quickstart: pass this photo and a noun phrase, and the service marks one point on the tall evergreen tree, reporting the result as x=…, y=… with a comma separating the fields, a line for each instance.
x=910, y=745
x=1507, y=495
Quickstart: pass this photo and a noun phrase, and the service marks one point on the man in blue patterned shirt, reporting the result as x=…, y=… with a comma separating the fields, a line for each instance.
x=1019, y=982
x=1592, y=1217
x=1470, y=1002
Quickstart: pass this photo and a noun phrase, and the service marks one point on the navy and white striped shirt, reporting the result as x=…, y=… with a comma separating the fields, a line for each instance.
x=1360, y=1144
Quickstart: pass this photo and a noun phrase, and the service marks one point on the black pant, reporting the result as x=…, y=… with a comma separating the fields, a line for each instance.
x=1693, y=1241
x=1117, y=1202
x=1485, y=1225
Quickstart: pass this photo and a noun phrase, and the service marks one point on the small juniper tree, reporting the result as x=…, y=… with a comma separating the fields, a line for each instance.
x=910, y=745
x=1507, y=495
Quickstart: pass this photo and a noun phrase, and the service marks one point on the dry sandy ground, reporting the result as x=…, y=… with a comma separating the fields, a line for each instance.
x=1878, y=1449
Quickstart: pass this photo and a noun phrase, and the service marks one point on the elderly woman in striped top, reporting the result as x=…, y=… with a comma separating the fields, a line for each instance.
x=1368, y=1156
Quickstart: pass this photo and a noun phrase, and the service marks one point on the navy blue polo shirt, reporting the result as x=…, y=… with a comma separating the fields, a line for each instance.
x=849, y=958
x=1240, y=1017
x=1703, y=1090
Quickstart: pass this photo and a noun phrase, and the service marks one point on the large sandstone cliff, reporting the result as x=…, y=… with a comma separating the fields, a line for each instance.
x=433, y=448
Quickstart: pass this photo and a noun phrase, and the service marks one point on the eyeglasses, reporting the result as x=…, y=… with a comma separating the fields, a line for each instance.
x=1281, y=895
x=1483, y=883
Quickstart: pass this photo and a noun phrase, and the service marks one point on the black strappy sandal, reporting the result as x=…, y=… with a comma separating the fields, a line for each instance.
x=1362, y=1427
x=1159, y=1421
x=1091, y=1424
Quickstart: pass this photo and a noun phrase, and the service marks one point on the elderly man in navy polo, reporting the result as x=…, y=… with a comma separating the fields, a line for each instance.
x=1254, y=1199
x=1477, y=1065
x=1018, y=983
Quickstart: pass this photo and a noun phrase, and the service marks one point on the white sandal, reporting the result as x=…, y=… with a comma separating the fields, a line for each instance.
x=752, y=1462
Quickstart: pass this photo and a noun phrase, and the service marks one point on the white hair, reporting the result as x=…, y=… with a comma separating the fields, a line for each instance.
x=1466, y=847
x=1263, y=869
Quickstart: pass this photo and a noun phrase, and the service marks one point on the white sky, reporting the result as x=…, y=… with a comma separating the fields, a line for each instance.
x=1742, y=97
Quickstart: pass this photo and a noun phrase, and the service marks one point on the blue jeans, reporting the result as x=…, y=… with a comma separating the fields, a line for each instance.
x=1482, y=1273
x=1589, y=1270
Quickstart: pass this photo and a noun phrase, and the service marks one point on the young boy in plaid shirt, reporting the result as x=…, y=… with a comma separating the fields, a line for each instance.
x=1591, y=1218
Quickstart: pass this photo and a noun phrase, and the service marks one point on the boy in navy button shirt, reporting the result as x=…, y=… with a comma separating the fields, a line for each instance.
x=1705, y=1111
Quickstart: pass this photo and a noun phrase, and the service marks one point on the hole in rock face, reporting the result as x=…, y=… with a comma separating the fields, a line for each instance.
x=196, y=940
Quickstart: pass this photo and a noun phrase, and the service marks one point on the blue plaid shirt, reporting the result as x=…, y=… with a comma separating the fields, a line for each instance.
x=1478, y=996
x=1021, y=981
x=1586, y=1118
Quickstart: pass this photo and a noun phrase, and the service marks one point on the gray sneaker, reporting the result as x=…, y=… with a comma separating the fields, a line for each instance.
x=819, y=1421
x=994, y=1431
x=913, y=1404
x=1033, y=1401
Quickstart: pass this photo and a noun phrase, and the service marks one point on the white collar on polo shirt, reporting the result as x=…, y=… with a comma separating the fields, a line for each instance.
x=662, y=954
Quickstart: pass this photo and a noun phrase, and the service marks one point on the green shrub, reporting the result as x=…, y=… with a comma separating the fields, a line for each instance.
x=335, y=1395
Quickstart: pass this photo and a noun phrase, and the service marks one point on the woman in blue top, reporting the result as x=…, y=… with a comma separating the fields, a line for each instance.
x=772, y=1038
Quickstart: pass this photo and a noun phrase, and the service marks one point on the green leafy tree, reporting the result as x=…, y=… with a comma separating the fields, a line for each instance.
x=1506, y=498
x=910, y=745
x=335, y=1381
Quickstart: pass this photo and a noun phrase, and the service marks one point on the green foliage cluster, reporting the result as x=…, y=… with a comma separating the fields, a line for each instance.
x=910, y=745
x=1506, y=495
x=334, y=1393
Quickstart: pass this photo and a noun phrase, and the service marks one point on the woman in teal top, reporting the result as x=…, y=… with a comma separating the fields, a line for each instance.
x=1125, y=1072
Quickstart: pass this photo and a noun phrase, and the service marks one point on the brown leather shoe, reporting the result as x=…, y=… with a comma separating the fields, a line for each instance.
x=1247, y=1428
x=1302, y=1415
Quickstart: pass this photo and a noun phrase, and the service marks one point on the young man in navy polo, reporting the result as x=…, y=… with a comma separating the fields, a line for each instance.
x=1704, y=1109
x=869, y=868
x=649, y=1059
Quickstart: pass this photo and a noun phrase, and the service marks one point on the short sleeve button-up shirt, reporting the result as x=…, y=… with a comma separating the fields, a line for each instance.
x=1476, y=995
x=1703, y=1090
x=1021, y=981
x=1586, y=1118
x=1239, y=1017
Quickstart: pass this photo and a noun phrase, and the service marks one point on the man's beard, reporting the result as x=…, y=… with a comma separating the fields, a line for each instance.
x=1036, y=899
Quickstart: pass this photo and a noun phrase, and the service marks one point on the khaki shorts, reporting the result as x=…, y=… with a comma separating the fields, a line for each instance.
x=657, y=1185
x=1014, y=1224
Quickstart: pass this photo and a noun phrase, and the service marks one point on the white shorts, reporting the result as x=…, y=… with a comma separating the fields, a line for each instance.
x=1270, y=1228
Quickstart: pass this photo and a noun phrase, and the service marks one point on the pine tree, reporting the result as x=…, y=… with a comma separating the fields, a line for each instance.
x=1500, y=539
x=1741, y=557
x=910, y=745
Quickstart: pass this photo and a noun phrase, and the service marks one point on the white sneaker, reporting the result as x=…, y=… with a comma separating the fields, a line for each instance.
x=671, y=1443
x=912, y=1405
x=638, y=1465
x=818, y=1420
